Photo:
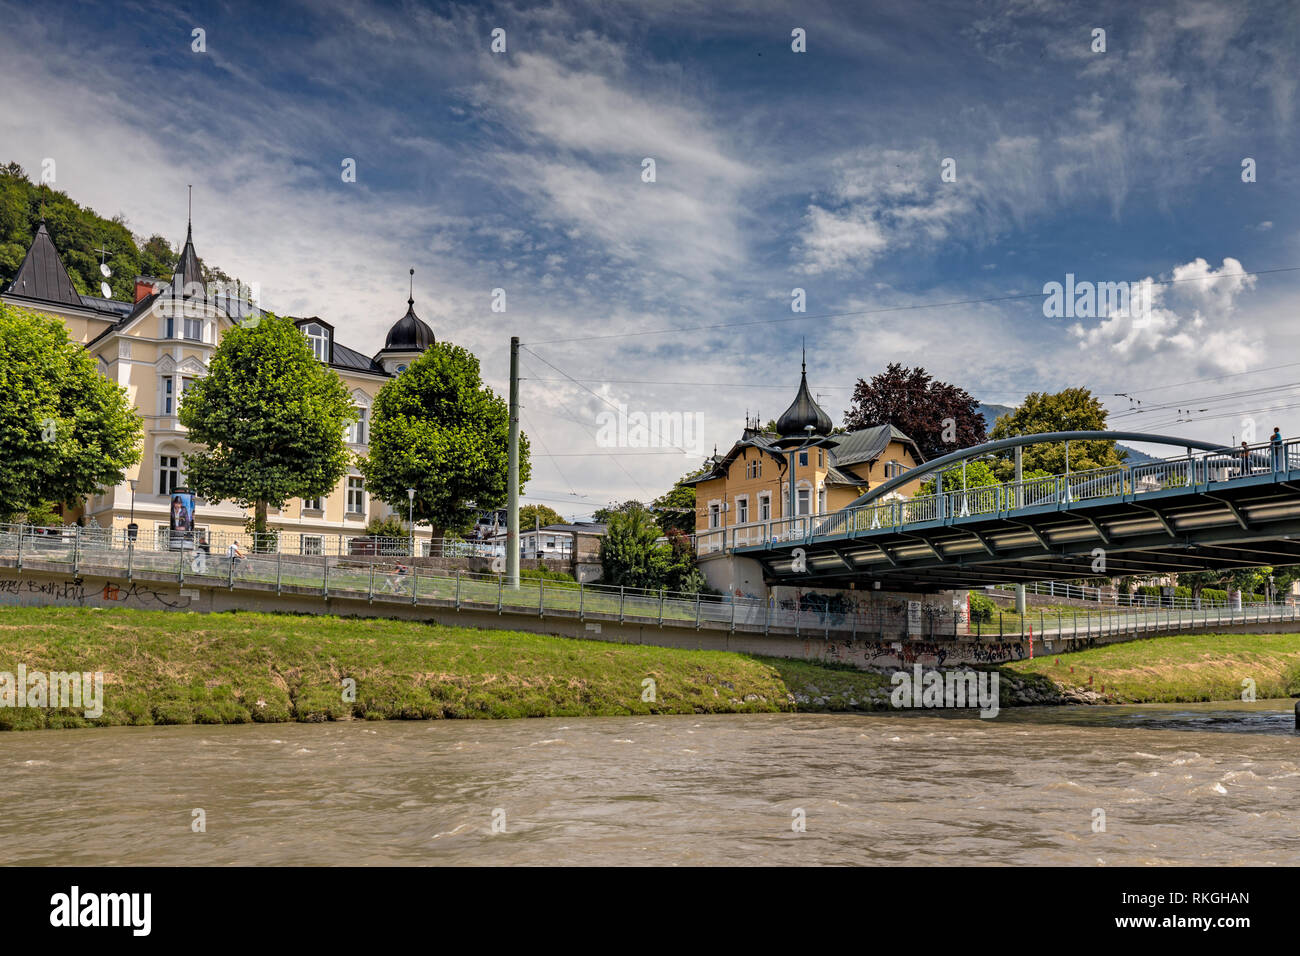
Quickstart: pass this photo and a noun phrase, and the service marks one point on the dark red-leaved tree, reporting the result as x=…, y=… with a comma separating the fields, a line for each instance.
x=939, y=417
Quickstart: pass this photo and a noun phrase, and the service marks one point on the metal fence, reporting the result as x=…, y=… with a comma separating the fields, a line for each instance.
x=1112, y=597
x=1114, y=481
x=381, y=578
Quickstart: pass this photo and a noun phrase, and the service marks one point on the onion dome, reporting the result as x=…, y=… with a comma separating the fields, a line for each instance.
x=410, y=333
x=794, y=421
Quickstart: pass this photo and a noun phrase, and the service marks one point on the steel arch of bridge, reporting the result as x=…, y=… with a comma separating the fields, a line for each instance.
x=1042, y=438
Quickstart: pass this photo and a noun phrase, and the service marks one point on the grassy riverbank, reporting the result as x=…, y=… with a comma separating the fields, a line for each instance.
x=1188, y=667
x=166, y=668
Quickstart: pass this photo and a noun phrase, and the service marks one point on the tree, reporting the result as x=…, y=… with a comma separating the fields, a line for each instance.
x=531, y=515
x=1073, y=409
x=65, y=430
x=438, y=429
x=675, y=509
x=941, y=418
x=978, y=474
x=270, y=418
x=78, y=233
x=631, y=555
x=603, y=515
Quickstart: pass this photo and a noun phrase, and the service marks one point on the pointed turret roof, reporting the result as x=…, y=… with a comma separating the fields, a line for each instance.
x=43, y=276
x=187, y=267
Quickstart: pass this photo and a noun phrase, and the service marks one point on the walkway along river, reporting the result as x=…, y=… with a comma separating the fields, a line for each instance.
x=1202, y=783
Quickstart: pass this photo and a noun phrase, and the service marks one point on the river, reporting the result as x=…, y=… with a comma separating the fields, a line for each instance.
x=1179, y=784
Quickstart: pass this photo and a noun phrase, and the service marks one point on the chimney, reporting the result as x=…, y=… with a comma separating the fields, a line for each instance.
x=144, y=287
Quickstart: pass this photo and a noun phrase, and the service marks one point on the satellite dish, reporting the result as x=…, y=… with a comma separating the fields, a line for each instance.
x=104, y=270
x=105, y=290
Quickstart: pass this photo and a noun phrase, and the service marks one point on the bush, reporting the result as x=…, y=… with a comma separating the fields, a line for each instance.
x=982, y=609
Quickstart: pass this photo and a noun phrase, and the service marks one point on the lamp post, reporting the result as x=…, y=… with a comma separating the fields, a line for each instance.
x=131, y=529
x=410, y=517
x=808, y=443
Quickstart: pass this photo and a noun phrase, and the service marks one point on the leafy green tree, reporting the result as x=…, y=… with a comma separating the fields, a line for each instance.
x=632, y=555
x=629, y=555
x=270, y=418
x=920, y=407
x=1073, y=409
x=65, y=430
x=675, y=509
x=531, y=515
x=602, y=515
x=978, y=474
x=438, y=429
x=78, y=232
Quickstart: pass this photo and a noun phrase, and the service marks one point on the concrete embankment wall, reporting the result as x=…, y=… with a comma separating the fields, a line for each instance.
x=158, y=592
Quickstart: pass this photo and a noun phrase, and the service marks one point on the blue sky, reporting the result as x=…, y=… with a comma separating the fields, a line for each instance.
x=774, y=170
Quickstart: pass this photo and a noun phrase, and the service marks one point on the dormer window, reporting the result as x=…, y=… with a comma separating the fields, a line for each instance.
x=319, y=338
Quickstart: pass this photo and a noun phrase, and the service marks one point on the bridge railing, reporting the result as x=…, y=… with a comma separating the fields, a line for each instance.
x=380, y=579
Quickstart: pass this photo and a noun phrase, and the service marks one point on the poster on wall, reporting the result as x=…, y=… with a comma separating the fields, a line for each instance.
x=182, y=520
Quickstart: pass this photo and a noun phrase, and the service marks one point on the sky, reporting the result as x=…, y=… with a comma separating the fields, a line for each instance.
x=922, y=171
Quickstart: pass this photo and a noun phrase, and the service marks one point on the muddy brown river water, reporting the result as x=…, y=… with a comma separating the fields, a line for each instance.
x=1178, y=784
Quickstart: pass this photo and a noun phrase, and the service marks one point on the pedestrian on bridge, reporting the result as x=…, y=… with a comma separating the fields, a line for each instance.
x=1244, y=455
x=1276, y=442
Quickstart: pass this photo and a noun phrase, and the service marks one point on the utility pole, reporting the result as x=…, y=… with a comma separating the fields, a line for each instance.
x=1020, y=496
x=512, y=503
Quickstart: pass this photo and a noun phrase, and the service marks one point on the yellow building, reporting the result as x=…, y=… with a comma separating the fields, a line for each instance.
x=749, y=485
x=156, y=346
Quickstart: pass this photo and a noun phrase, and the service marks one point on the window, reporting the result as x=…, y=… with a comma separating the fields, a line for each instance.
x=356, y=496
x=714, y=515
x=764, y=508
x=821, y=500
x=894, y=468
x=821, y=458
x=169, y=404
x=401, y=369
x=194, y=329
x=169, y=327
x=311, y=544
x=320, y=341
x=805, y=497
x=169, y=473
x=742, y=510
x=313, y=504
x=803, y=459
x=357, y=430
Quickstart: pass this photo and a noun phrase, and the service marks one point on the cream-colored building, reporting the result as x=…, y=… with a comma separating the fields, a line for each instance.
x=749, y=485
x=159, y=344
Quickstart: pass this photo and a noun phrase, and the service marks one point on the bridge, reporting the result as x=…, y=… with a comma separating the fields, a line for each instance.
x=1210, y=508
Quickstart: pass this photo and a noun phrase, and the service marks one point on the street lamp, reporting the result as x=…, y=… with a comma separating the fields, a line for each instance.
x=410, y=517
x=131, y=528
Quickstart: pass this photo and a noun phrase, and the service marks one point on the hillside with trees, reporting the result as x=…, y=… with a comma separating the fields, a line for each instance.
x=77, y=232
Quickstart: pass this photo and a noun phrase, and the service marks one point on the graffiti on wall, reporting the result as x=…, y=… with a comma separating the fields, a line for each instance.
x=73, y=591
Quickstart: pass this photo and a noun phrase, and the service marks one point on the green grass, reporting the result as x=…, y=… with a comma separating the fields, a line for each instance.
x=1188, y=667
x=170, y=668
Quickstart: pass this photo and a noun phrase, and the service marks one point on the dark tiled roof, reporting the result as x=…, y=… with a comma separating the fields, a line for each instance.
x=867, y=444
x=113, y=306
x=352, y=361
x=43, y=276
x=592, y=528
